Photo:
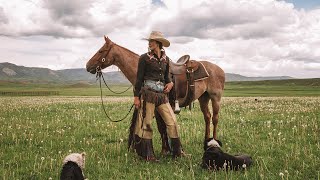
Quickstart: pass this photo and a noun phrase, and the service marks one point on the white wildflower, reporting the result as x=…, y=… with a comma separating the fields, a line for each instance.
x=225, y=165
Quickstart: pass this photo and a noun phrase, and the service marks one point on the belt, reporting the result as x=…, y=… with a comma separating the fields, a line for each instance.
x=155, y=85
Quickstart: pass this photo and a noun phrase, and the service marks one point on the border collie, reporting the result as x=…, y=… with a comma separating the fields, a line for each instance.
x=215, y=159
x=73, y=166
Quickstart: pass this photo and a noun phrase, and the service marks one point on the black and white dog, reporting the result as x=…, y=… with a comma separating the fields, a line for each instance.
x=215, y=159
x=73, y=165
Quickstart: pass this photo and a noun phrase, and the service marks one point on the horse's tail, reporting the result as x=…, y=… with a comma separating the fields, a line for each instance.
x=132, y=127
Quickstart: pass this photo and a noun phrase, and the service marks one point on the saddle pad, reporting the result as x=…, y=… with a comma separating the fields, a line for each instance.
x=201, y=73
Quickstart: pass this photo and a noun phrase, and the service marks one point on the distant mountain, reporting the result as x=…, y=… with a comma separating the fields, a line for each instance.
x=238, y=77
x=12, y=72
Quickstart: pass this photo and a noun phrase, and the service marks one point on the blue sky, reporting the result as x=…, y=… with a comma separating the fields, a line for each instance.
x=305, y=4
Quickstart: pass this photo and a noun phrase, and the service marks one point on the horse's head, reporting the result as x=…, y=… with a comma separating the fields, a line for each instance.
x=103, y=58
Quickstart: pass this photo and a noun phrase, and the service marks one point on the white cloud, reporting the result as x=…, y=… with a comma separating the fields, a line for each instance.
x=250, y=37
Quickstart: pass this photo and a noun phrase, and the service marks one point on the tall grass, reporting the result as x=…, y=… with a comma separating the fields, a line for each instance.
x=280, y=133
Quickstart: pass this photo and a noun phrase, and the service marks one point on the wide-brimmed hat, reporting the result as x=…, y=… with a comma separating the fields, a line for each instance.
x=158, y=36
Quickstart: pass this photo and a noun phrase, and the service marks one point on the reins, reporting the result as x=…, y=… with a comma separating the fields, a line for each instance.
x=110, y=88
x=100, y=75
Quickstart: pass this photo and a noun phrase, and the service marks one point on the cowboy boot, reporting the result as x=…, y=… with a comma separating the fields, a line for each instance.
x=136, y=144
x=145, y=150
x=176, y=147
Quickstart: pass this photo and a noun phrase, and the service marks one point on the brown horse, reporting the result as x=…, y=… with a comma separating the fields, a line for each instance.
x=207, y=89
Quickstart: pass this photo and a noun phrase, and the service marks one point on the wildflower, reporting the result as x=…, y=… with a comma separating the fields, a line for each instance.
x=121, y=140
x=281, y=174
x=70, y=151
x=42, y=158
x=225, y=165
x=244, y=166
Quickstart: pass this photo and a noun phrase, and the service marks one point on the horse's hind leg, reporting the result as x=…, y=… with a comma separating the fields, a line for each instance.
x=215, y=116
x=204, y=101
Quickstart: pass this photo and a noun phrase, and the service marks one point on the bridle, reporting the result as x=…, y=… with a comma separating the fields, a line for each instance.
x=98, y=68
x=99, y=76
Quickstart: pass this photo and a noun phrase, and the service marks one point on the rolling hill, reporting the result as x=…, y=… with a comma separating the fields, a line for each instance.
x=12, y=72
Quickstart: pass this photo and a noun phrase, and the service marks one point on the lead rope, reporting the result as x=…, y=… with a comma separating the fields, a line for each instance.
x=99, y=74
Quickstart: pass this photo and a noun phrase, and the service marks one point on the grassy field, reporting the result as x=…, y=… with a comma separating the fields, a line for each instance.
x=276, y=122
x=295, y=87
x=292, y=87
x=280, y=133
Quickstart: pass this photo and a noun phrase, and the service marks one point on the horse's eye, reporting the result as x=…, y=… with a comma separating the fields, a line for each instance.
x=100, y=51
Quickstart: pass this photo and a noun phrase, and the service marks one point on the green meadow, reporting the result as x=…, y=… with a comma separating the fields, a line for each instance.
x=293, y=87
x=277, y=123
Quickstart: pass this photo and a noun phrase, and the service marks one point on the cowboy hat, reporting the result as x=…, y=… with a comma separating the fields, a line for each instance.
x=158, y=36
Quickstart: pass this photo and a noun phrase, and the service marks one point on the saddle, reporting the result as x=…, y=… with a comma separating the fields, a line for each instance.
x=184, y=74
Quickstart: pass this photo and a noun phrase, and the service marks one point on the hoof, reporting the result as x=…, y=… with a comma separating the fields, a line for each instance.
x=152, y=159
x=165, y=152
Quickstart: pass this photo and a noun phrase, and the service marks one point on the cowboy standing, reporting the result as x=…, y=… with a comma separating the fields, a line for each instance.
x=151, y=89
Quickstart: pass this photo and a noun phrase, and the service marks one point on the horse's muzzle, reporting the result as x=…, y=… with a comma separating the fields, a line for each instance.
x=91, y=69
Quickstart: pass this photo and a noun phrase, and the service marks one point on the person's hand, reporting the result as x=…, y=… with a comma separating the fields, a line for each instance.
x=136, y=102
x=168, y=87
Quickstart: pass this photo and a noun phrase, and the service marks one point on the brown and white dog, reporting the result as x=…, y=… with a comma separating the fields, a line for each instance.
x=73, y=166
x=215, y=159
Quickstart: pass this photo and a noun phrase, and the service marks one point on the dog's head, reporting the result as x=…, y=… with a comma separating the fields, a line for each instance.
x=211, y=142
x=78, y=158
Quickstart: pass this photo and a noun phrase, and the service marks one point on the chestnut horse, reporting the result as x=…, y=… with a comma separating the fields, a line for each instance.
x=207, y=89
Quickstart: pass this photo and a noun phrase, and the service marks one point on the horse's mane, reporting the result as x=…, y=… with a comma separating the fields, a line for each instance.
x=126, y=49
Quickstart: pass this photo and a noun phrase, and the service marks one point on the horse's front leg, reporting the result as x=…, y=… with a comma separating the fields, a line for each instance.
x=162, y=128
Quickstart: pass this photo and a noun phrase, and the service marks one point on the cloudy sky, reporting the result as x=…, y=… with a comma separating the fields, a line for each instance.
x=247, y=37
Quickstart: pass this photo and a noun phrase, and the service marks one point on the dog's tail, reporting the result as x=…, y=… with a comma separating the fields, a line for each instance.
x=132, y=127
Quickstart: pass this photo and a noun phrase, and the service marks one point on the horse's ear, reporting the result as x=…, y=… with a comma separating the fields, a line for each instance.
x=106, y=39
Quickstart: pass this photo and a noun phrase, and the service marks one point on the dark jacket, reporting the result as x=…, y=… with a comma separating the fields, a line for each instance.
x=151, y=67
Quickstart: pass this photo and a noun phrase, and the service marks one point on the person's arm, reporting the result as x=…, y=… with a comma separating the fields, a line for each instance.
x=167, y=79
x=139, y=81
